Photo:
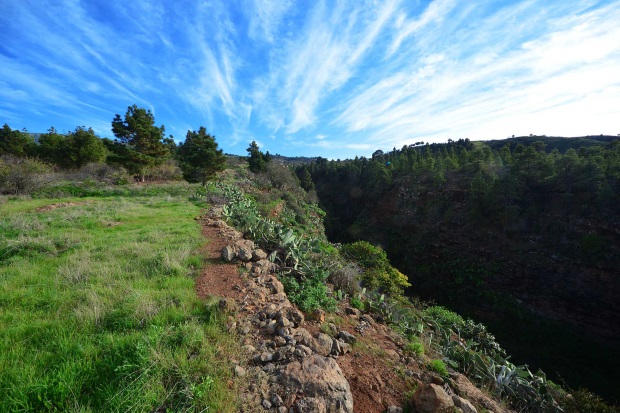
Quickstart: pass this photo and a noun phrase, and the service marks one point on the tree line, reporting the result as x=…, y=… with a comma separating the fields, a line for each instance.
x=510, y=185
x=139, y=145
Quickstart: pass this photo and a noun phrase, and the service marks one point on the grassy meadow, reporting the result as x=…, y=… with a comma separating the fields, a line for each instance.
x=98, y=311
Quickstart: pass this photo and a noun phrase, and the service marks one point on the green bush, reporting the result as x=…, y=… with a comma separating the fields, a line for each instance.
x=438, y=367
x=310, y=292
x=444, y=317
x=414, y=347
x=379, y=274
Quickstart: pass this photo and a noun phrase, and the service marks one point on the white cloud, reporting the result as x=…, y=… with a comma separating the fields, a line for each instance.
x=265, y=17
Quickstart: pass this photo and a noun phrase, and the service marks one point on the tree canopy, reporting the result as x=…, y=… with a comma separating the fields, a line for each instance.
x=142, y=142
x=199, y=156
x=14, y=142
x=257, y=160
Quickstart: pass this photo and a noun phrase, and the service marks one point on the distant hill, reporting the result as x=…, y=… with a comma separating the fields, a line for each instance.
x=554, y=142
x=286, y=160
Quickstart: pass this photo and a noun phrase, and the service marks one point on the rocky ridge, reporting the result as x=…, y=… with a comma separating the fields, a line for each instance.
x=293, y=363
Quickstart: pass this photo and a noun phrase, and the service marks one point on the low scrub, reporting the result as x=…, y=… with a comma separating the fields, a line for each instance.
x=21, y=176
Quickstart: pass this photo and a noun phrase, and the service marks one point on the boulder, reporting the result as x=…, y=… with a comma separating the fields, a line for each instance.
x=347, y=337
x=431, y=398
x=322, y=344
x=228, y=253
x=258, y=255
x=317, y=315
x=339, y=347
x=319, y=378
x=244, y=249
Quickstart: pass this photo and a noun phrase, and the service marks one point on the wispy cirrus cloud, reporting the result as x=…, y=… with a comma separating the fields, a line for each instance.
x=485, y=92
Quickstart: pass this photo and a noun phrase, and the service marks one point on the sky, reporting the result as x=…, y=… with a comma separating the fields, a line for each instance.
x=315, y=78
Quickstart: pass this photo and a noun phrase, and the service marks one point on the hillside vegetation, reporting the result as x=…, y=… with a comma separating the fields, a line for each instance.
x=523, y=236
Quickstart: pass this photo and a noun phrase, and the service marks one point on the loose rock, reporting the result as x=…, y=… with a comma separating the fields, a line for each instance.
x=431, y=398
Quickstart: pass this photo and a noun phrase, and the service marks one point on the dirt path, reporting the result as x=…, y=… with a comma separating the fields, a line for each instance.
x=218, y=278
x=369, y=367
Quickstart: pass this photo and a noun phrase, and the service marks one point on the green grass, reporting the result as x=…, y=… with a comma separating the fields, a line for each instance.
x=98, y=310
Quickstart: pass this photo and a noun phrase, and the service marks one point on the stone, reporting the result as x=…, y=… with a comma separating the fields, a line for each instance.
x=310, y=405
x=283, y=322
x=304, y=350
x=275, y=286
x=367, y=319
x=431, y=398
x=394, y=409
x=437, y=380
x=318, y=315
x=264, y=357
x=352, y=311
x=244, y=328
x=294, y=315
x=266, y=404
x=228, y=253
x=323, y=344
x=347, y=337
x=276, y=400
x=464, y=404
x=282, y=409
x=302, y=336
x=240, y=371
x=465, y=388
x=244, y=250
x=339, y=347
x=319, y=378
x=258, y=255
x=280, y=341
x=269, y=368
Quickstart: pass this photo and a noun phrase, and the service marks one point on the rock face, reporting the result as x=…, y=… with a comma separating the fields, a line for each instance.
x=320, y=379
x=431, y=398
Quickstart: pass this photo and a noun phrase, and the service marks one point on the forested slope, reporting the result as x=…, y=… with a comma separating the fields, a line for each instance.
x=523, y=236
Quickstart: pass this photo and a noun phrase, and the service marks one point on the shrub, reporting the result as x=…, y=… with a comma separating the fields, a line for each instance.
x=168, y=171
x=379, y=274
x=438, y=367
x=310, y=292
x=281, y=177
x=22, y=175
x=415, y=347
x=346, y=277
x=104, y=173
x=444, y=317
x=582, y=401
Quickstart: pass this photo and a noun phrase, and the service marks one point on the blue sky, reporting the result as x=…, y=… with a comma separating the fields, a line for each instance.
x=321, y=78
